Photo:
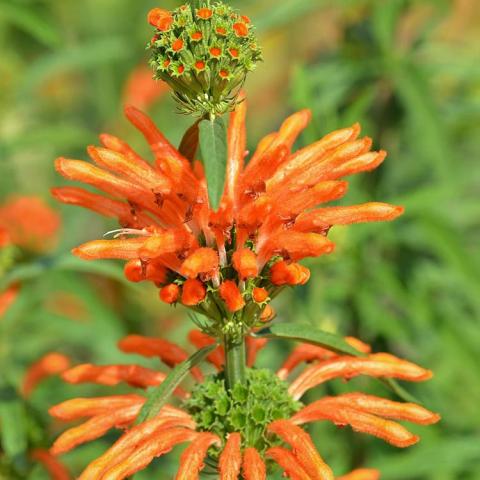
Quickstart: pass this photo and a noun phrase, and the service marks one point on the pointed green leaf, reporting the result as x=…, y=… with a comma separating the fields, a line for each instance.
x=213, y=147
x=306, y=333
x=13, y=425
x=158, y=396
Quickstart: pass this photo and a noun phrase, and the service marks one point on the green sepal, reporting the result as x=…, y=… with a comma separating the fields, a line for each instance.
x=158, y=396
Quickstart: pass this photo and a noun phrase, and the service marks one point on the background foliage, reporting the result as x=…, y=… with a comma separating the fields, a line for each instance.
x=407, y=70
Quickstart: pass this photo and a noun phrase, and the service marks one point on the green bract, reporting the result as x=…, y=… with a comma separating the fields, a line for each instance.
x=248, y=408
x=204, y=54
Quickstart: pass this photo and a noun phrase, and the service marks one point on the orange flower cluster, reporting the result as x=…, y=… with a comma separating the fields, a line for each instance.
x=140, y=444
x=268, y=219
x=28, y=223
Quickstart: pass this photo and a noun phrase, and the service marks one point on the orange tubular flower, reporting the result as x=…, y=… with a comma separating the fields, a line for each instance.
x=56, y=470
x=231, y=296
x=29, y=223
x=140, y=444
x=50, y=364
x=269, y=208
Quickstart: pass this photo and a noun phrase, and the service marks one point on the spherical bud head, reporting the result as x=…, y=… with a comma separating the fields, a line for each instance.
x=204, y=53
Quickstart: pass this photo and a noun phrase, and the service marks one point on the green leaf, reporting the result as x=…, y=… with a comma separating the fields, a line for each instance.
x=213, y=147
x=158, y=396
x=304, y=332
x=13, y=427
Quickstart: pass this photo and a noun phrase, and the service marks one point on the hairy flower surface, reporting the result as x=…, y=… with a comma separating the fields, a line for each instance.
x=232, y=261
x=238, y=432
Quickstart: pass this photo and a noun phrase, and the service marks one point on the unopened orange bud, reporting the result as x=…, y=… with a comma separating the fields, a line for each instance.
x=259, y=294
x=156, y=273
x=193, y=292
x=204, y=13
x=177, y=45
x=196, y=36
x=231, y=295
x=170, y=293
x=215, y=52
x=245, y=263
x=201, y=261
x=241, y=30
x=134, y=271
x=160, y=18
x=283, y=273
x=267, y=314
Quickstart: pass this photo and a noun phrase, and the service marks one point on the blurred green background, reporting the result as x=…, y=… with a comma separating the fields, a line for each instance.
x=409, y=71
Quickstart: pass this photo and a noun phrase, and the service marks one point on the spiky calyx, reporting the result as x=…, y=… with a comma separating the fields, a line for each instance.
x=204, y=54
x=247, y=408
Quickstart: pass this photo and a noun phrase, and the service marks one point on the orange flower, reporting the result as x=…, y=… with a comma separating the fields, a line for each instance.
x=141, y=89
x=7, y=298
x=170, y=293
x=231, y=296
x=204, y=13
x=29, y=223
x=241, y=29
x=269, y=209
x=140, y=444
x=50, y=364
x=56, y=470
x=193, y=292
x=160, y=18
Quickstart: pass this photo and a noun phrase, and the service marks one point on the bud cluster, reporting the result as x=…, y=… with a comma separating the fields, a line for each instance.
x=204, y=54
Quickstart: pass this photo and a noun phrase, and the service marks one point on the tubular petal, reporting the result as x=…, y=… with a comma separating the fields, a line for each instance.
x=303, y=449
x=362, y=474
x=193, y=292
x=380, y=406
x=57, y=470
x=289, y=463
x=200, y=340
x=134, y=375
x=94, y=428
x=191, y=461
x=231, y=296
x=341, y=415
x=231, y=458
x=141, y=434
x=367, y=212
x=77, y=408
x=201, y=261
x=245, y=263
x=253, y=466
x=170, y=353
x=375, y=365
x=50, y=364
x=7, y=297
x=115, y=249
x=306, y=352
x=254, y=345
x=159, y=444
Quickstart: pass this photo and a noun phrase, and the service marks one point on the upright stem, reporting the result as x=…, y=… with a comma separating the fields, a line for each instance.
x=235, y=361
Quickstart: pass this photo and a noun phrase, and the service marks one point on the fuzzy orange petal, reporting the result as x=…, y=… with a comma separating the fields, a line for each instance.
x=201, y=261
x=231, y=295
x=362, y=474
x=127, y=444
x=289, y=463
x=49, y=365
x=230, y=460
x=253, y=466
x=170, y=353
x=375, y=365
x=303, y=449
x=77, y=408
x=191, y=461
x=94, y=428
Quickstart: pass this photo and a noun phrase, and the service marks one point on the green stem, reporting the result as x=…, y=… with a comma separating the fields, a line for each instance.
x=235, y=361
